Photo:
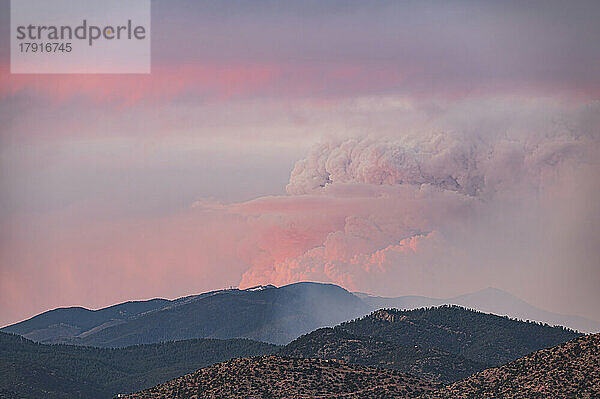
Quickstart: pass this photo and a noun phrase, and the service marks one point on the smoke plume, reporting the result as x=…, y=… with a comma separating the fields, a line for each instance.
x=412, y=214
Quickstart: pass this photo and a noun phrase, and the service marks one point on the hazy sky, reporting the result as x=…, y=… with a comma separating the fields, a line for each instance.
x=428, y=148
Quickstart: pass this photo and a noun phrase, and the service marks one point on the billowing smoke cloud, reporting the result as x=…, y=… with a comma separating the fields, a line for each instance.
x=414, y=213
x=469, y=166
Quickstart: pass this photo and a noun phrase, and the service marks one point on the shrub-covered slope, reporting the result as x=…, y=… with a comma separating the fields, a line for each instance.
x=334, y=343
x=279, y=377
x=569, y=370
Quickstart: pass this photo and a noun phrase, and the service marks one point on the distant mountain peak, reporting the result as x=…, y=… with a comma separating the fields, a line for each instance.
x=489, y=300
x=493, y=289
x=489, y=291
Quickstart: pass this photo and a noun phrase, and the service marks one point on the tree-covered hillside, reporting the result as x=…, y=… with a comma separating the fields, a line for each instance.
x=482, y=337
x=32, y=370
x=441, y=344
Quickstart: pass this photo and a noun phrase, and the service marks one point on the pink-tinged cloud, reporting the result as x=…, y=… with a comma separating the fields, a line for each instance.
x=397, y=196
x=322, y=83
x=367, y=216
x=452, y=50
x=162, y=85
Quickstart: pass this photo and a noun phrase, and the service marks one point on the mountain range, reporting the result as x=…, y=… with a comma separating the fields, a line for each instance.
x=303, y=329
x=264, y=313
x=568, y=370
x=437, y=345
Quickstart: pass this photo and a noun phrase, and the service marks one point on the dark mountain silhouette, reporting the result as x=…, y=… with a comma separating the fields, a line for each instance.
x=265, y=313
x=268, y=314
x=70, y=322
x=484, y=338
x=442, y=344
x=569, y=370
x=280, y=377
x=32, y=370
x=489, y=300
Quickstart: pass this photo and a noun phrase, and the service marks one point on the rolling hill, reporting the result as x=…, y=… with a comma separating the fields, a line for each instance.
x=30, y=370
x=279, y=377
x=440, y=344
x=431, y=364
x=484, y=338
x=569, y=370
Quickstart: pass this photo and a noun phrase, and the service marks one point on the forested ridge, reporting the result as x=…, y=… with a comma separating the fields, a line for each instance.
x=32, y=370
x=441, y=344
x=485, y=338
